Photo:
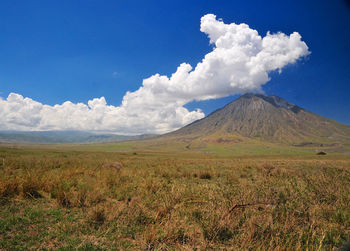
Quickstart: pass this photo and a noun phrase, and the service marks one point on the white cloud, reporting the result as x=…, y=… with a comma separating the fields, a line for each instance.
x=239, y=62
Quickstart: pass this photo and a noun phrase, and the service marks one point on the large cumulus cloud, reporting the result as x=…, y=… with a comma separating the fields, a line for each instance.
x=240, y=62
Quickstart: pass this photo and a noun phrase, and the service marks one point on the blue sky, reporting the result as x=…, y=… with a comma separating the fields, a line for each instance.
x=54, y=51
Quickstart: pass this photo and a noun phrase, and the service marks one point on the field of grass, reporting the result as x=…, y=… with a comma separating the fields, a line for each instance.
x=66, y=198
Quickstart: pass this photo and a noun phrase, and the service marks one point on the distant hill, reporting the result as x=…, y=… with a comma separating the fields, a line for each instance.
x=266, y=118
x=48, y=137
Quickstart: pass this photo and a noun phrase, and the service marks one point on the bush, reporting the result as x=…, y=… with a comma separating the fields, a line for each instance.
x=205, y=176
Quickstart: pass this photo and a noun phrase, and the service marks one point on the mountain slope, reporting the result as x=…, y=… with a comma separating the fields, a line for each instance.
x=267, y=118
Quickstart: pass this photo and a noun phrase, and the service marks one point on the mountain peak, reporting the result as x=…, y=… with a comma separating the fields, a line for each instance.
x=274, y=100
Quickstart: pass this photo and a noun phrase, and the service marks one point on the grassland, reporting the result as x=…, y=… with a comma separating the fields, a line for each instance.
x=54, y=197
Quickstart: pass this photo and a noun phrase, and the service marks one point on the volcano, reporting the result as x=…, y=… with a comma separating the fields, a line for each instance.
x=266, y=118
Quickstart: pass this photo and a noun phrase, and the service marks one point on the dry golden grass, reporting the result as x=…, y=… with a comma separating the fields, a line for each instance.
x=166, y=201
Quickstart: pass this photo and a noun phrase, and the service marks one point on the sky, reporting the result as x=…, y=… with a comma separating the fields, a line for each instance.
x=134, y=67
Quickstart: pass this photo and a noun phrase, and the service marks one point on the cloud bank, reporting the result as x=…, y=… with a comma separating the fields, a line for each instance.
x=240, y=62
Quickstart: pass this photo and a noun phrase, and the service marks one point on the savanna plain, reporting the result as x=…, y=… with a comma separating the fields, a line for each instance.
x=76, y=197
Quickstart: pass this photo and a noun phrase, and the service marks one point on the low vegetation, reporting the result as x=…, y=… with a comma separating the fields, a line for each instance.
x=53, y=199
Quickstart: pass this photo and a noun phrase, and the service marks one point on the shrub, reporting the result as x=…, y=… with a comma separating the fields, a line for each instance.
x=205, y=175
